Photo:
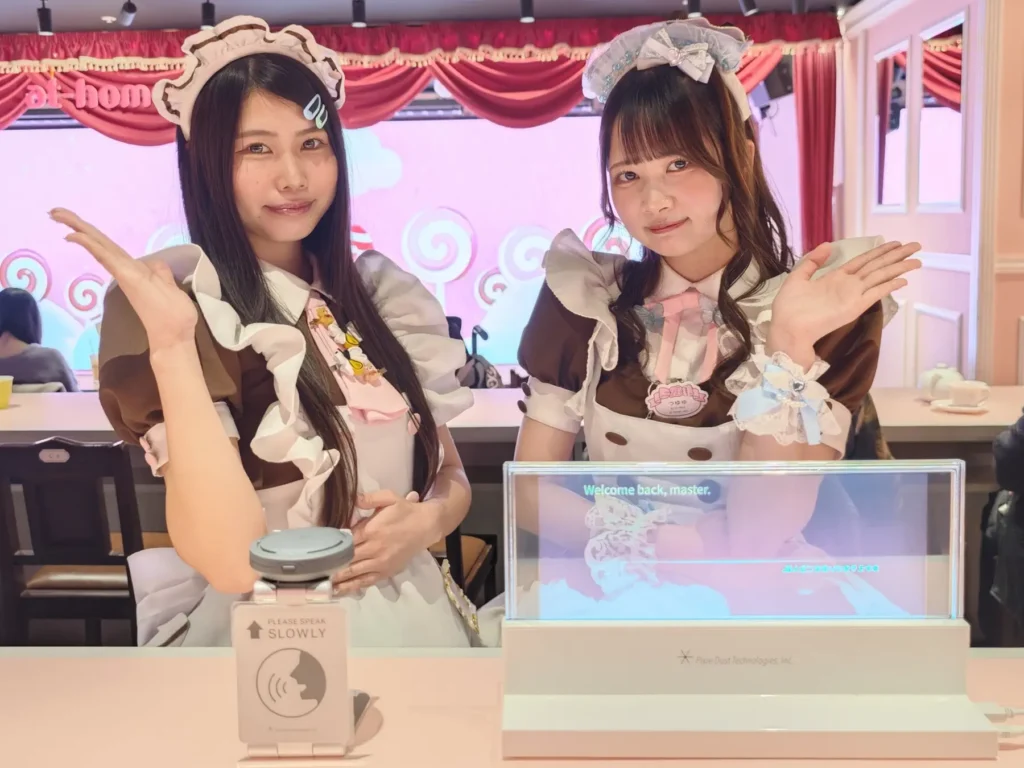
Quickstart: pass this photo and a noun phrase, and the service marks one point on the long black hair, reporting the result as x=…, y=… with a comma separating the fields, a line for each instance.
x=205, y=165
x=662, y=112
x=19, y=316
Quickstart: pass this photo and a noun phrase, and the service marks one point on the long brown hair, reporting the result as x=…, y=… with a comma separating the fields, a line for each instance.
x=205, y=165
x=661, y=112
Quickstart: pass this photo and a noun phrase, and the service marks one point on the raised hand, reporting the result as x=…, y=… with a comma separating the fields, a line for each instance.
x=166, y=312
x=805, y=310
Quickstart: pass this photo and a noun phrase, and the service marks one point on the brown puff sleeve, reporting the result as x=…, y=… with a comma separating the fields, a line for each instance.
x=554, y=344
x=553, y=351
x=852, y=354
x=127, y=387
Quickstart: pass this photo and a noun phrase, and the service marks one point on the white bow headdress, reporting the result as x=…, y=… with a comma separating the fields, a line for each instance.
x=693, y=46
x=694, y=59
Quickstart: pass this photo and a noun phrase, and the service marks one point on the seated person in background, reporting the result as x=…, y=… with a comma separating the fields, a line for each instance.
x=1008, y=450
x=21, y=331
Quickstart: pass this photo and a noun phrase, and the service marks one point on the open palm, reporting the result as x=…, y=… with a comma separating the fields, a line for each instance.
x=808, y=309
x=166, y=312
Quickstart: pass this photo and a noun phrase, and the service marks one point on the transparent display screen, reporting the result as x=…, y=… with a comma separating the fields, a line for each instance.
x=853, y=540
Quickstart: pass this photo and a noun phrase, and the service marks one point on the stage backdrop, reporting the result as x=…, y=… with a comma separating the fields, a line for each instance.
x=471, y=216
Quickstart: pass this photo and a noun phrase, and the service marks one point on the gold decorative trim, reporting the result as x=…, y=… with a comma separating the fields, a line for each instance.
x=394, y=56
x=87, y=64
x=945, y=43
x=458, y=599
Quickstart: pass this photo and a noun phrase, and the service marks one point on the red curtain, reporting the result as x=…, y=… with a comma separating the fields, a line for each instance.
x=140, y=125
x=940, y=74
x=514, y=94
x=12, y=98
x=516, y=75
x=375, y=94
x=884, y=95
x=756, y=67
x=123, y=48
x=814, y=85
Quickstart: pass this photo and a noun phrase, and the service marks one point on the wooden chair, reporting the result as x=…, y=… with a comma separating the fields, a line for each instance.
x=474, y=563
x=78, y=567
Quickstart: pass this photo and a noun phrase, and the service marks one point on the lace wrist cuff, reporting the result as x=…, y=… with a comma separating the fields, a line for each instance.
x=620, y=552
x=786, y=402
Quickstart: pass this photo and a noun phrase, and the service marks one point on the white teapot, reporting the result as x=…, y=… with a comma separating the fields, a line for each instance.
x=934, y=384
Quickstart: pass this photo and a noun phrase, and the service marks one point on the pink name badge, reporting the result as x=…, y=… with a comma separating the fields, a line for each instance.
x=678, y=400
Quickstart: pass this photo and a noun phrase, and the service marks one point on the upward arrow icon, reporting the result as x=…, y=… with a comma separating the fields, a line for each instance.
x=254, y=631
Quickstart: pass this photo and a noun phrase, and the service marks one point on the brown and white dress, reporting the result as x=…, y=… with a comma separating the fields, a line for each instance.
x=251, y=372
x=570, y=351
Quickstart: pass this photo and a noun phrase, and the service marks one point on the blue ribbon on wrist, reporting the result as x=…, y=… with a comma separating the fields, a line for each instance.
x=760, y=401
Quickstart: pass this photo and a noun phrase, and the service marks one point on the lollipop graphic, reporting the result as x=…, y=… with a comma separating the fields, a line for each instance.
x=489, y=286
x=521, y=253
x=27, y=270
x=361, y=241
x=600, y=236
x=84, y=294
x=439, y=245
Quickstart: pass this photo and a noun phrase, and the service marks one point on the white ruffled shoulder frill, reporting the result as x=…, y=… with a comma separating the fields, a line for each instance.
x=416, y=318
x=586, y=282
x=405, y=305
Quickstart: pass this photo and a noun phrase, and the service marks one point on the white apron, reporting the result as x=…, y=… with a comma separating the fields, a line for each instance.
x=176, y=607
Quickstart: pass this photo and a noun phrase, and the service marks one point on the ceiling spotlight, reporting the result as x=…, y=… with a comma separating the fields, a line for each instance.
x=108, y=19
x=209, y=15
x=359, y=13
x=526, y=12
x=693, y=9
x=799, y=6
x=748, y=7
x=127, y=15
x=45, y=19
x=841, y=8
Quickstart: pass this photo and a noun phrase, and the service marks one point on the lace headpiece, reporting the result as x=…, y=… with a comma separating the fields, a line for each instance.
x=209, y=51
x=694, y=46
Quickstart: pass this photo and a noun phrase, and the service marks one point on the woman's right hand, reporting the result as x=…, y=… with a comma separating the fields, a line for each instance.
x=166, y=311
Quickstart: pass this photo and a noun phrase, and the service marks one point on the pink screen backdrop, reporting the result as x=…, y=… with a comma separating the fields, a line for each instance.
x=468, y=206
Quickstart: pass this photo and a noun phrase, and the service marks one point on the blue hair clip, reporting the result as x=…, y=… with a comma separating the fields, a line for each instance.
x=316, y=111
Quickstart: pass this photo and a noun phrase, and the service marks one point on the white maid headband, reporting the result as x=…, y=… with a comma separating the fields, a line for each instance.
x=694, y=46
x=209, y=51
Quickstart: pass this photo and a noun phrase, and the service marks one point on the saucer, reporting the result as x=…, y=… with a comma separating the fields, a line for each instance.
x=946, y=406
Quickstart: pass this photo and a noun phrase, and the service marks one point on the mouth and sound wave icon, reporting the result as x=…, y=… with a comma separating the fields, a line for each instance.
x=291, y=683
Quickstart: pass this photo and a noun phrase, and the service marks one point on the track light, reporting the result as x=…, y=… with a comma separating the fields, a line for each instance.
x=127, y=14
x=748, y=7
x=526, y=12
x=693, y=9
x=799, y=6
x=45, y=20
x=359, y=13
x=209, y=15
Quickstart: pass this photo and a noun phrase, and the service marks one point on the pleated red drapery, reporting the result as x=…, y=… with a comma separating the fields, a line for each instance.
x=814, y=86
x=516, y=94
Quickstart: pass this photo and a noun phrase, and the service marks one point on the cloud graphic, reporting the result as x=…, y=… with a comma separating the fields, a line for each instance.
x=371, y=165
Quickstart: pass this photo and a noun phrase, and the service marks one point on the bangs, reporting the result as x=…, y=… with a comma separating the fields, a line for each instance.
x=659, y=113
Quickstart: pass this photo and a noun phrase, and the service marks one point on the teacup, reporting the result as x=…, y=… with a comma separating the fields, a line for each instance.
x=968, y=394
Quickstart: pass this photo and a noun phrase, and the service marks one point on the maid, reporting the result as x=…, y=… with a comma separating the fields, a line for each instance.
x=273, y=382
x=716, y=345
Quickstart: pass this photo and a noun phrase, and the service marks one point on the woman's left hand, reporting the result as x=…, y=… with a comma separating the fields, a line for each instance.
x=805, y=310
x=387, y=541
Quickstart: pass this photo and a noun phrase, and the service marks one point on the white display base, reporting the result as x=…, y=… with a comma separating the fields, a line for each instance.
x=741, y=689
